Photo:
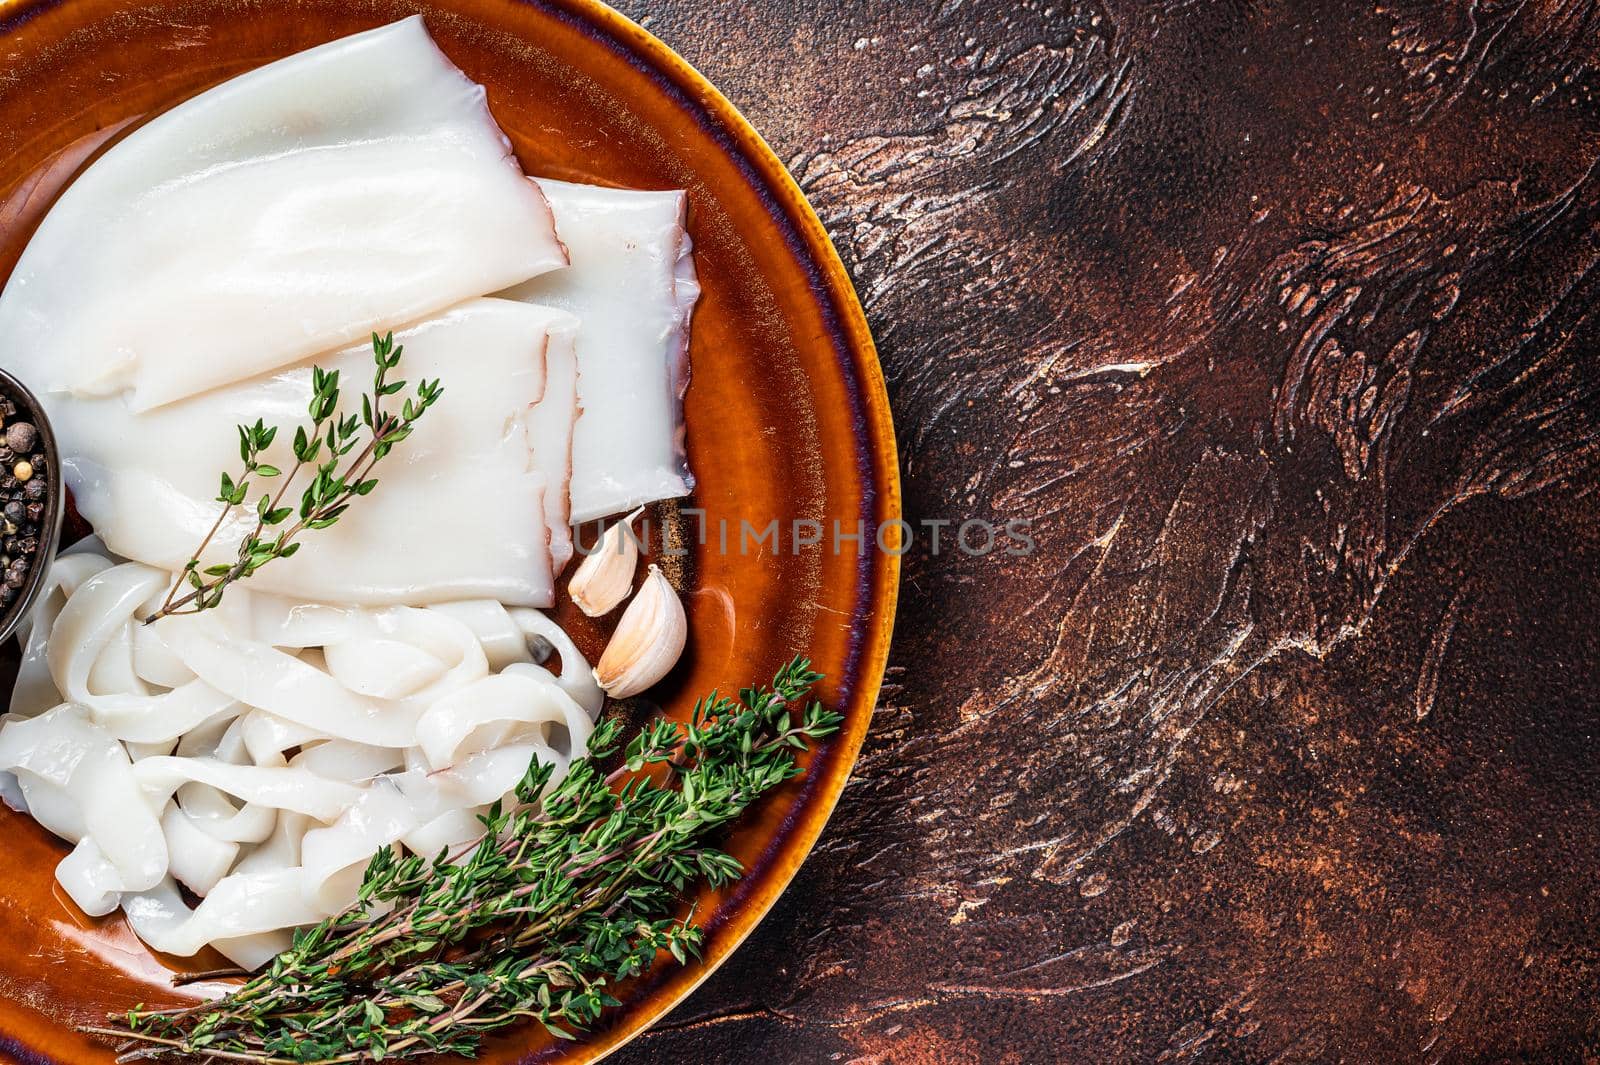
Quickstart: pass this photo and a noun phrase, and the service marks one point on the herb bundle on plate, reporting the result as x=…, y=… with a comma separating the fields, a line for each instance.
x=565, y=896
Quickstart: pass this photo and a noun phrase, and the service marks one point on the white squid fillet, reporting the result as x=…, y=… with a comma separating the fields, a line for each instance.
x=461, y=509
x=290, y=211
x=632, y=286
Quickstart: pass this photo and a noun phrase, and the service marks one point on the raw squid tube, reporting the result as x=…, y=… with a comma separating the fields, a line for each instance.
x=461, y=508
x=292, y=210
x=632, y=287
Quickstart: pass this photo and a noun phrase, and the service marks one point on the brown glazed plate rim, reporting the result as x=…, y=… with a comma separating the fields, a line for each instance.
x=818, y=271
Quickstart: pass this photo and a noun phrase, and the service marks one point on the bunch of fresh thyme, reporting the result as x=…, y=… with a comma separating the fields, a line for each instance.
x=564, y=897
x=330, y=492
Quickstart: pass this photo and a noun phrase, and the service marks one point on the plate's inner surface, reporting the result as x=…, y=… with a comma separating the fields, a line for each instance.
x=776, y=428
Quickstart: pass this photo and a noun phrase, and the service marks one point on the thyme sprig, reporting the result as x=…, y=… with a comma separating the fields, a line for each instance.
x=332, y=438
x=568, y=893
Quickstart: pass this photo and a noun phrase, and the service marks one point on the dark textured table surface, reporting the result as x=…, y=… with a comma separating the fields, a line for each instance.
x=1277, y=320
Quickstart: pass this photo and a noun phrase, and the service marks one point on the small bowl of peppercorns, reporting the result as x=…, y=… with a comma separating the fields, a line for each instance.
x=31, y=501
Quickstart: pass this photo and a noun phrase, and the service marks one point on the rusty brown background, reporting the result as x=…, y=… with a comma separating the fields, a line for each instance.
x=1278, y=322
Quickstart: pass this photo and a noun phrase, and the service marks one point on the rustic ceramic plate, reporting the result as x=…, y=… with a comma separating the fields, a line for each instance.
x=787, y=414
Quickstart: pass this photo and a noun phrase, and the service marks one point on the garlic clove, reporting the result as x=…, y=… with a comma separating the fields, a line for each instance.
x=648, y=641
x=605, y=577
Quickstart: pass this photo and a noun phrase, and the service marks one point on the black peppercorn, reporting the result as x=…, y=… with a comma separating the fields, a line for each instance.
x=15, y=512
x=34, y=489
x=21, y=436
x=34, y=512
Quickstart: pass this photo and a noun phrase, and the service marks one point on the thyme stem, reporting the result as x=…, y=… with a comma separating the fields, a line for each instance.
x=329, y=493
